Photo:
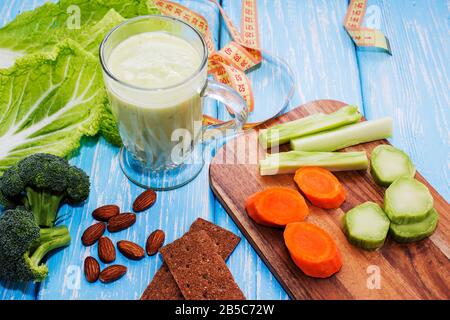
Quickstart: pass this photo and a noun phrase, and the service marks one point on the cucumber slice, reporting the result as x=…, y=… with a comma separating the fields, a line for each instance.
x=366, y=226
x=407, y=201
x=415, y=231
x=389, y=163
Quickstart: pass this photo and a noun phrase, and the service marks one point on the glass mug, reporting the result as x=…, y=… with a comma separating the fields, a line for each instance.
x=161, y=128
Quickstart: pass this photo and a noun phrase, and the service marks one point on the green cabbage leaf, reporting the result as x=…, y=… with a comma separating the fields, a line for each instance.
x=51, y=88
x=48, y=101
x=44, y=27
x=91, y=37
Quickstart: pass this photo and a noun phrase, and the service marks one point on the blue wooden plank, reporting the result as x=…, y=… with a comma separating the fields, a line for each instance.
x=9, y=9
x=310, y=37
x=413, y=84
x=16, y=291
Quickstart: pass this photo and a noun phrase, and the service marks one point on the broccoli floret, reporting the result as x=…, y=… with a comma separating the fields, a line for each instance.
x=11, y=183
x=77, y=186
x=42, y=182
x=23, y=245
x=4, y=201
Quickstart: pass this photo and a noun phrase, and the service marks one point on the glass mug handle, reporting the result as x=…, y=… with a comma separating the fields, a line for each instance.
x=235, y=102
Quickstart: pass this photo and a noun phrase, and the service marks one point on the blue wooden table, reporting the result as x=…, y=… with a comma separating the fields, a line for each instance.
x=412, y=86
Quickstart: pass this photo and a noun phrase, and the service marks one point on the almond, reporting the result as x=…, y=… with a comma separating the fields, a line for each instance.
x=154, y=242
x=144, y=201
x=121, y=222
x=104, y=213
x=112, y=273
x=131, y=250
x=106, y=250
x=91, y=269
x=93, y=233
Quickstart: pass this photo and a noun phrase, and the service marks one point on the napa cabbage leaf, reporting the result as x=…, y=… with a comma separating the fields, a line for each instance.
x=44, y=27
x=48, y=101
x=30, y=40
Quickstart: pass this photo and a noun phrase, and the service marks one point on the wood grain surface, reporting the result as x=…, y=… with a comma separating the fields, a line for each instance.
x=309, y=36
x=408, y=271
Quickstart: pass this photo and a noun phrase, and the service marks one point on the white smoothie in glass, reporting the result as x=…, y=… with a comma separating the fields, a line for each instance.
x=163, y=94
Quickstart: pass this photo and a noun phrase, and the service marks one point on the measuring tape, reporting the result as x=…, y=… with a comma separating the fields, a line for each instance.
x=370, y=39
x=229, y=64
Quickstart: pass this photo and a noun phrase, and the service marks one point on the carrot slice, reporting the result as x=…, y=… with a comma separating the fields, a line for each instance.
x=320, y=186
x=312, y=249
x=251, y=210
x=276, y=207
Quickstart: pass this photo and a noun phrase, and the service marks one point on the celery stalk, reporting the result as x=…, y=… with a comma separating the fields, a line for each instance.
x=343, y=137
x=318, y=122
x=289, y=162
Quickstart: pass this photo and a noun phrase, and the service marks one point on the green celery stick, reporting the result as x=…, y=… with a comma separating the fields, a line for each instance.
x=388, y=164
x=283, y=133
x=343, y=137
x=289, y=162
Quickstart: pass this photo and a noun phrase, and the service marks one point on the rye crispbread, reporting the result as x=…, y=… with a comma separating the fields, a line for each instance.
x=163, y=285
x=199, y=270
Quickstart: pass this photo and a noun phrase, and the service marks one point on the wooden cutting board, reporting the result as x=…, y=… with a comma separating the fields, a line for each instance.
x=396, y=271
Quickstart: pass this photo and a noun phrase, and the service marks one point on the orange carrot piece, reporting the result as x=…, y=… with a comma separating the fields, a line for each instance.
x=251, y=210
x=320, y=186
x=277, y=207
x=280, y=206
x=312, y=249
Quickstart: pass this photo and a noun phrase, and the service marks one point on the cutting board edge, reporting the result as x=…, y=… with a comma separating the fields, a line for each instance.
x=222, y=195
x=229, y=211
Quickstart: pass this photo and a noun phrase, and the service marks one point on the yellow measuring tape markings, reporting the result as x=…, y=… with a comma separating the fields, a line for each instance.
x=229, y=64
x=365, y=38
